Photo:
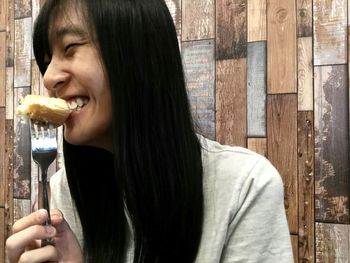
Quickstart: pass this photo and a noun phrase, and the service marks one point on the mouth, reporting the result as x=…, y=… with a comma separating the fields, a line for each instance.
x=77, y=103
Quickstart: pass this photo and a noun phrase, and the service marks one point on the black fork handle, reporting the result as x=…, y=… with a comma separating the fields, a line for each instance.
x=45, y=201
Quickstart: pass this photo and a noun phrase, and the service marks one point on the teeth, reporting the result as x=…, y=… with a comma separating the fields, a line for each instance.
x=77, y=103
x=80, y=102
x=72, y=104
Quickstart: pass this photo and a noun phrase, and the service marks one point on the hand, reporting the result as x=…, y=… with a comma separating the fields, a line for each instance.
x=24, y=244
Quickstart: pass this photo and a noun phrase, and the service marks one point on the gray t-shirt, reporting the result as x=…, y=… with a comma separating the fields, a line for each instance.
x=244, y=216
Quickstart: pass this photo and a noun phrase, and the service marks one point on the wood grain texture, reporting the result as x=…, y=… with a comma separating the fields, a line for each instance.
x=294, y=239
x=306, y=185
x=281, y=47
x=3, y=15
x=198, y=19
x=231, y=29
x=332, y=165
x=305, y=74
x=258, y=145
x=231, y=102
x=22, y=207
x=282, y=149
x=9, y=94
x=23, y=8
x=332, y=243
x=2, y=157
x=330, y=20
x=2, y=234
x=22, y=154
x=2, y=69
x=23, y=47
x=256, y=89
x=304, y=18
x=10, y=34
x=199, y=66
x=256, y=20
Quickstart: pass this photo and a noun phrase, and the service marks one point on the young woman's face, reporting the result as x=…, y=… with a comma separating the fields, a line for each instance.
x=76, y=74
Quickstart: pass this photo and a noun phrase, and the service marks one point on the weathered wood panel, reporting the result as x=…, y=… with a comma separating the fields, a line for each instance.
x=306, y=185
x=256, y=89
x=10, y=34
x=256, y=20
x=294, y=239
x=9, y=93
x=330, y=20
x=231, y=102
x=23, y=47
x=3, y=16
x=305, y=74
x=282, y=128
x=199, y=66
x=23, y=8
x=2, y=233
x=231, y=29
x=2, y=69
x=198, y=19
x=281, y=46
x=2, y=157
x=332, y=165
x=258, y=145
x=21, y=208
x=332, y=243
x=22, y=154
x=304, y=18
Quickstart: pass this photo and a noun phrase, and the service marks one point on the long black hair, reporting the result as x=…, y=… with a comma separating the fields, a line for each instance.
x=153, y=178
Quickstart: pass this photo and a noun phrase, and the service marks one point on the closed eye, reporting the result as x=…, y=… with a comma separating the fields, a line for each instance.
x=70, y=47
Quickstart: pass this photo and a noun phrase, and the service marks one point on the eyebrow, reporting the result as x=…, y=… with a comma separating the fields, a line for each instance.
x=70, y=30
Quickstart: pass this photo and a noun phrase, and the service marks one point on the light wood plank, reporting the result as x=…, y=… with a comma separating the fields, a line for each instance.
x=22, y=207
x=304, y=18
x=306, y=186
x=2, y=69
x=2, y=234
x=282, y=149
x=198, y=19
x=281, y=47
x=256, y=89
x=294, y=239
x=3, y=15
x=23, y=47
x=258, y=145
x=2, y=157
x=231, y=29
x=332, y=243
x=231, y=102
x=330, y=21
x=199, y=66
x=22, y=152
x=332, y=167
x=256, y=20
x=23, y=8
x=9, y=93
x=305, y=74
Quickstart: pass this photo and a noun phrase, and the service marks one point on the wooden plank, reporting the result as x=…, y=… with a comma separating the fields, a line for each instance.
x=332, y=243
x=23, y=47
x=231, y=29
x=198, y=19
x=2, y=69
x=10, y=34
x=306, y=186
x=9, y=93
x=256, y=20
x=281, y=47
x=23, y=8
x=256, y=89
x=282, y=148
x=258, y=145
x=3, y=15
x=2, y=234
x=21, y=208
x=304, y=18
x=332, y=167
x=330, y=21
x=294, y=239
x=199, y=67
x=305, y=74
x=231, y=102
x=2, y=157
x=22, y=152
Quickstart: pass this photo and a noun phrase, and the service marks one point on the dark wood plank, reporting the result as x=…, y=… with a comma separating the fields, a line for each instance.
x=23, y=8
x=231, y=102
x=22, y=152
x=282, y=149
x=199, y=66
x=304, y=18
x=198, y=19
x=330, y=22
x=256, y=20
x=294, y=239
x=2, y=69
x=256, y=89
x=332, y=243
x=2, y=157
x=231, y=29
x=10, y=34
x=332, y=167
x=281, y=47
x=2, y=234
x=306, y=185
x=258, y=145
x=23, y=49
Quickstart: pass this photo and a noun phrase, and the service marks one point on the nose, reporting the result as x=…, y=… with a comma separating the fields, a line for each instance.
x=55, y=76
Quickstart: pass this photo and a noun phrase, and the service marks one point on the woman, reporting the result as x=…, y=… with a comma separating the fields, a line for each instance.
x=139, y=185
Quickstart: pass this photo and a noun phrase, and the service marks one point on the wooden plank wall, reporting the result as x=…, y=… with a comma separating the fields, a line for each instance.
x=269, y=75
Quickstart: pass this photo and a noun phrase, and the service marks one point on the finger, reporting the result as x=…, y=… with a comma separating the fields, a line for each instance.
x=36, y=218
x=44, y=254
x=16, y=244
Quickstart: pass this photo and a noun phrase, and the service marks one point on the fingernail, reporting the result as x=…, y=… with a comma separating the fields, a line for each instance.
x=50, y=230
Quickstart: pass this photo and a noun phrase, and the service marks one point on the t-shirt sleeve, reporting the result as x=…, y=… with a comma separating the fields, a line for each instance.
x=258, y=230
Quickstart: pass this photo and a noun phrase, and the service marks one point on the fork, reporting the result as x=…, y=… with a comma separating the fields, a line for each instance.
x=44, y=151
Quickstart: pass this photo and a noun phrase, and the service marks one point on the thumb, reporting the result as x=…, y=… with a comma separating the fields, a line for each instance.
x=58, y=221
